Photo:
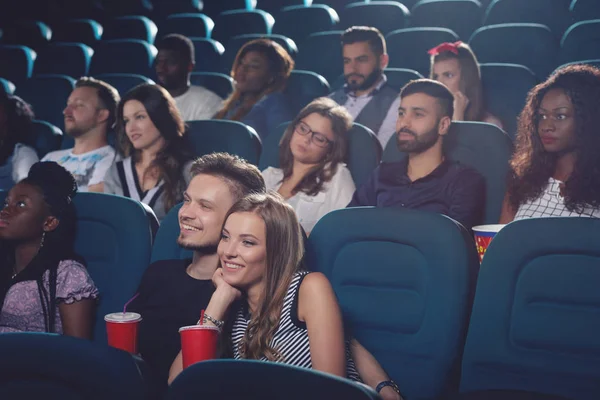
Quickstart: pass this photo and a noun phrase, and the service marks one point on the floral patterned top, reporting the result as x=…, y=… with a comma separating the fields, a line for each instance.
x=22, y=309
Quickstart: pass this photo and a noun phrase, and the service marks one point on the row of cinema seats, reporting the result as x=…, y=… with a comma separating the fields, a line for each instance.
x=412, y=291
x=539, y=49
x=297, y=21
x=49, y=92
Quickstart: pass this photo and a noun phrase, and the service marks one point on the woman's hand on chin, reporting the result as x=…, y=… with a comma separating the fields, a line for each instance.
x=223, y=297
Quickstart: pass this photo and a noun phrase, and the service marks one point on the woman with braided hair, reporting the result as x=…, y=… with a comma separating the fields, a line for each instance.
x=44, y=286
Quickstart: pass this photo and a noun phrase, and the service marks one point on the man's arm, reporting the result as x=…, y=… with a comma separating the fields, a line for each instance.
x=467, y=202
x=366, y=194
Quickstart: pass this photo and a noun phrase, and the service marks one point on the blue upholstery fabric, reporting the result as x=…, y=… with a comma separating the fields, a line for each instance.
x=297, y=22
x=79, y=30
x=123, y=56
x=48, y=96
x=383, y=15
x=21, y=62
x=47, y=138
x=165, y=244
x=39, y=365
x=408, y=47
x=239, y=22
x=404, y=280
x=124, y=82
x=303, y=87
x=581, y=41
x=188, y=24
x=262, y=380
x=33, y=34
x=227, y=136
x=536, y=314
x=363, y=155
x=7, y=86
x=71, y=59
x=552, y=13
x=482, y=146
x=216, y=82
x=235, y=44
x=327, y=45
x=461, y=16
x=538, y=47
x=506, y=101
x=209, y=54
x=114, y=238
x=585, y=10
x=130, y=27
x=128, y=8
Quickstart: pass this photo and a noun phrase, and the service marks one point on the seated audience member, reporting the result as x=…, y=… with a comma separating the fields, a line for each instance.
x=281, y=307
x=16, y=126
x=155, y=170
x=173, y=292
x=426, y=180
x=174, y=63
x=260, y=71
x=366, y=95
x=556, y=164
x=313, y=177
x=44, y=286
x=455, y=65
x=89, y=115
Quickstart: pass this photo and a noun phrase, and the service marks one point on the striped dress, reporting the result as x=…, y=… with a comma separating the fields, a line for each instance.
x=291, y=337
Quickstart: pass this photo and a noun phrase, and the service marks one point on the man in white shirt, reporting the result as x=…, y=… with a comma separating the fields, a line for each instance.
x=174, y=63
x=89, y=114
x=366, y=95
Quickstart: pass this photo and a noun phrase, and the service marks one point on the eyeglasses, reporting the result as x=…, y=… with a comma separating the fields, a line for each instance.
x=317, y=138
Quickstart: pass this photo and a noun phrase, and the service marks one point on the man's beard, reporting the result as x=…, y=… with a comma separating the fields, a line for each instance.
x=76, y=131
x=367, y=83
x=205, y=248
x=420, y=144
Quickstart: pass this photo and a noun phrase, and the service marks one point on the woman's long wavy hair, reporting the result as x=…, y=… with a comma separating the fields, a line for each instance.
x=532, y=166
x=170, y=160
x=324, y=171
x=17, y=125
x=58, y=187
x=285, y=249
x=280, y=64
x=470, y=79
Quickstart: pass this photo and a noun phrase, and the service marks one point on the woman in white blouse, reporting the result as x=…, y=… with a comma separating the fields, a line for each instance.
x=16, y=128
x=556, y=165
x=313, y=178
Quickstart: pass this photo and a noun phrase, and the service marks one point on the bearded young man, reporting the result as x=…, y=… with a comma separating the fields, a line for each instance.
x=366, y=95
x=426, y=180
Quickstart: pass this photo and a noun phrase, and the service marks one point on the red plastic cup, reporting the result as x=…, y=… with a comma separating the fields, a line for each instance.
x=483, y=237
x=198, y=343
x=122, y=330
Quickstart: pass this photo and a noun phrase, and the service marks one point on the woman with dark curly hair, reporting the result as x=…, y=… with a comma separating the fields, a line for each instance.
x=556, y=165
x=156, y=167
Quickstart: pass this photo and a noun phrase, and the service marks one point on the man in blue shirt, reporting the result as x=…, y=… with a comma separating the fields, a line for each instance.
x=425, y=180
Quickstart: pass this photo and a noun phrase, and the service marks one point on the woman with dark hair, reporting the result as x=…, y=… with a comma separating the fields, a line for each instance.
x=44, y=286
x=285, y=313
x=155, y=168
x=313, y=177
x=260, y=71
x=555, y=170
x=455, y=65
x=16, y=125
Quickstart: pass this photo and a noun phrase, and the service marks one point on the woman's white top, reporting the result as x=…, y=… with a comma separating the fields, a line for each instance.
x=23, y=158
x=552, y=204
x=335, y=194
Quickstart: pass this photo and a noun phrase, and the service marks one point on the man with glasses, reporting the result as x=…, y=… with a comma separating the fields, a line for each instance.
x=366, y=95
x=89, y=114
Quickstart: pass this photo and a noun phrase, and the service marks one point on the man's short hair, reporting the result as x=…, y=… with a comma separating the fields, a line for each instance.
x=434, y=89
x=108, y=95
x=179, y=44
x=365, y=34
x=242, y=177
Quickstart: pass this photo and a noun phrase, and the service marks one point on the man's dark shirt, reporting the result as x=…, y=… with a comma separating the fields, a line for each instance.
x=452, y=189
